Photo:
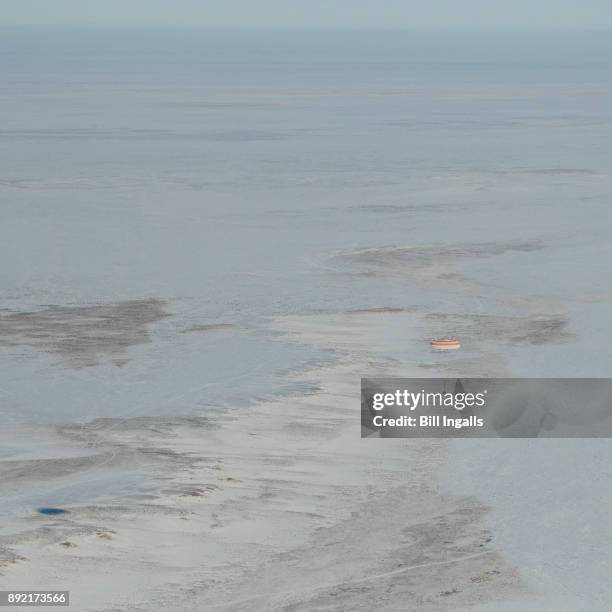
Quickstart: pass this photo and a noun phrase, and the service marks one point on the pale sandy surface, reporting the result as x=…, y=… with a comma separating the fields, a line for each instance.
x=165, y=196
x=279, y=506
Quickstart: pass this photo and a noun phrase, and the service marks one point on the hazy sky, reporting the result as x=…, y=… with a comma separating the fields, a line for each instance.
x=313, y=13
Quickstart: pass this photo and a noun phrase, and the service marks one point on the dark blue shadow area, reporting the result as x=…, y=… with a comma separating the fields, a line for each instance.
x=52, y=511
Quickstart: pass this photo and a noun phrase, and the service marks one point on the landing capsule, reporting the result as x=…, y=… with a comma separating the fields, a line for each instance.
x=445, y=343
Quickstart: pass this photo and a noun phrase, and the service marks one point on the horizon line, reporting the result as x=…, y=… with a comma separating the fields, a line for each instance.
x=307, y=28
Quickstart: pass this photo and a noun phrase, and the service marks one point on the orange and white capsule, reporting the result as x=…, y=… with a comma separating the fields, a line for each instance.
x=445, y=343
